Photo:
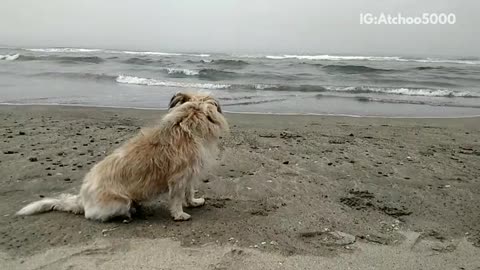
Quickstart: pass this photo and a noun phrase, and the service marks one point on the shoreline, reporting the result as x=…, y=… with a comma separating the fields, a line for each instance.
x=301, y=189
x=237, y=112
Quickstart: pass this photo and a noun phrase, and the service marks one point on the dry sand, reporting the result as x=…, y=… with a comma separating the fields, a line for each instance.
x=289, y=192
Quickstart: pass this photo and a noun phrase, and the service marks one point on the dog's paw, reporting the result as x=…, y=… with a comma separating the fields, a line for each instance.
x=197, y=202
x=182, y=217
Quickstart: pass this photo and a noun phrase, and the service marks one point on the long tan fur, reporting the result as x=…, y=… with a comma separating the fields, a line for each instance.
x=167, y=157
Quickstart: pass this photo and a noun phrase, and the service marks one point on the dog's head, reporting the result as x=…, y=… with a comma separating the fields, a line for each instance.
x=197, y=113
x=181, y=98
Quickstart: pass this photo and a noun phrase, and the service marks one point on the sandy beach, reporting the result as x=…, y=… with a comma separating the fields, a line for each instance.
x=289, y=192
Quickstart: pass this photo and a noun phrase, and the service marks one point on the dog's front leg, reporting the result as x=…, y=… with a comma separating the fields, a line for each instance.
x=177, y=197
x=190, y=194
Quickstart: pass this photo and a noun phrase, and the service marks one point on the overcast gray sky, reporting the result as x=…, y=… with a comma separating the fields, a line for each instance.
x=240, y=26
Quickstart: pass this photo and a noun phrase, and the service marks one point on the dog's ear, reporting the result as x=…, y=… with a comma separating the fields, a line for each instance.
x=214, y=114
x=217, y=104
x=178, y=99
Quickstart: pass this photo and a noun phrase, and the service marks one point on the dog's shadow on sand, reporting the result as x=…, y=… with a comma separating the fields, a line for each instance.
x=158, y=213
x=215, y=209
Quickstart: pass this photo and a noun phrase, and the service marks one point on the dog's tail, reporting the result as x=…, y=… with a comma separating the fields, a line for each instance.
x=65, y=202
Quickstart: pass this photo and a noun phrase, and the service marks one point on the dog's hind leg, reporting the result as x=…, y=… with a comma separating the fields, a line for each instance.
x=177, y=197
x=190, y=194
x=108, y=208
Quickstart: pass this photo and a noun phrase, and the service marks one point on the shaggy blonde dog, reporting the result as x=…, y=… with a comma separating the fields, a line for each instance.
x=168, y=157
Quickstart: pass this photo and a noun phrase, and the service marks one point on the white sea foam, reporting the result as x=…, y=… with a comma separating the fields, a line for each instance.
x=64, y=50
x=439, y=61
x=324, y=57
x=405, y=91
x=187, y=72
x=152, y=82
x=83, y=50
x=159, y=53
x=264, y=86
x=146, y=53
x=9, y=57
x=332, y=57
x=327, y=57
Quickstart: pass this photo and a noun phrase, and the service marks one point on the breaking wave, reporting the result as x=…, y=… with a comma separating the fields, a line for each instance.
x=327, y=57
x=331, y=57
x=153, y=82
x=180, y=71
x=158, y=53
x=405, y=91
x=9, y=57
x=367, y=99
x=204, y=74
x=224, y=63
x=64, y=50
x=375, y=90
x=61, y=59
x=83, y=50
x=233, y=62
x=302, y=88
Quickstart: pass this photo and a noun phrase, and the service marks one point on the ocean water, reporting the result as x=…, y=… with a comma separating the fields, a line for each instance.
x=303, y=84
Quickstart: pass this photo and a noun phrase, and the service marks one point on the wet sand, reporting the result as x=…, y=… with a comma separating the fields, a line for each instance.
x=288, y=192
